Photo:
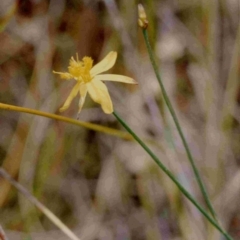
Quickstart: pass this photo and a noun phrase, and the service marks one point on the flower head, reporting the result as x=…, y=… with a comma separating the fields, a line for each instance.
x=89, y=80
x=142, y=17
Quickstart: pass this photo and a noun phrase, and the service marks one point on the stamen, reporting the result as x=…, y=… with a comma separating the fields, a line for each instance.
x=88, y=62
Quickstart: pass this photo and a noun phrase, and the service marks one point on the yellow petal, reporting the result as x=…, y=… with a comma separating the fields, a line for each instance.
x=64, y=75
x=115, y=78
x=105, y=64
x=83, y=93
x=99, y=93
x=72, y=95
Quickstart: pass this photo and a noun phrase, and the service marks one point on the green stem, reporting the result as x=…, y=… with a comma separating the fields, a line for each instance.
x=171, y=176
x=175, y=119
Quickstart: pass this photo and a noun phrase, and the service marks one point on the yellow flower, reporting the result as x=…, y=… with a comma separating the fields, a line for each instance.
x=89, y=80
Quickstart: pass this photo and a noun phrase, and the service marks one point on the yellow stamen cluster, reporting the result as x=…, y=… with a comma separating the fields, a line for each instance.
x=80, y=70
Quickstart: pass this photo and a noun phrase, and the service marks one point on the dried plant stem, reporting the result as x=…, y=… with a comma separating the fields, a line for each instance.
x=91, y=126
x=39, y=205
x=2, y=234
x=172, y=177
x=179, y=129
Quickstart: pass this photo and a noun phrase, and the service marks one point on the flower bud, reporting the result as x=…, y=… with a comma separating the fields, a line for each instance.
x=142, y=17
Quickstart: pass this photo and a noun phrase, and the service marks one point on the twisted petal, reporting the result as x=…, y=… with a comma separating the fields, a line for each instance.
x=83, y=93
x=115, y=78
x=64, y=75
x=72, y=95
x=105, y=64
x=99, y=93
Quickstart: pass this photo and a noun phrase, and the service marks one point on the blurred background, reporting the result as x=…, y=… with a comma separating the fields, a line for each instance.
x=101, y=186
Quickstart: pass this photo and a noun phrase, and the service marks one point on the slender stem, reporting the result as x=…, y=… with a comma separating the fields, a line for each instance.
x=55, y=220
x=175, y=119
x=171, y=176
x=88, y=125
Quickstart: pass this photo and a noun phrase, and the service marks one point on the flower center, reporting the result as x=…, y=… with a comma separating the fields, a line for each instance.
x=80, y=70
